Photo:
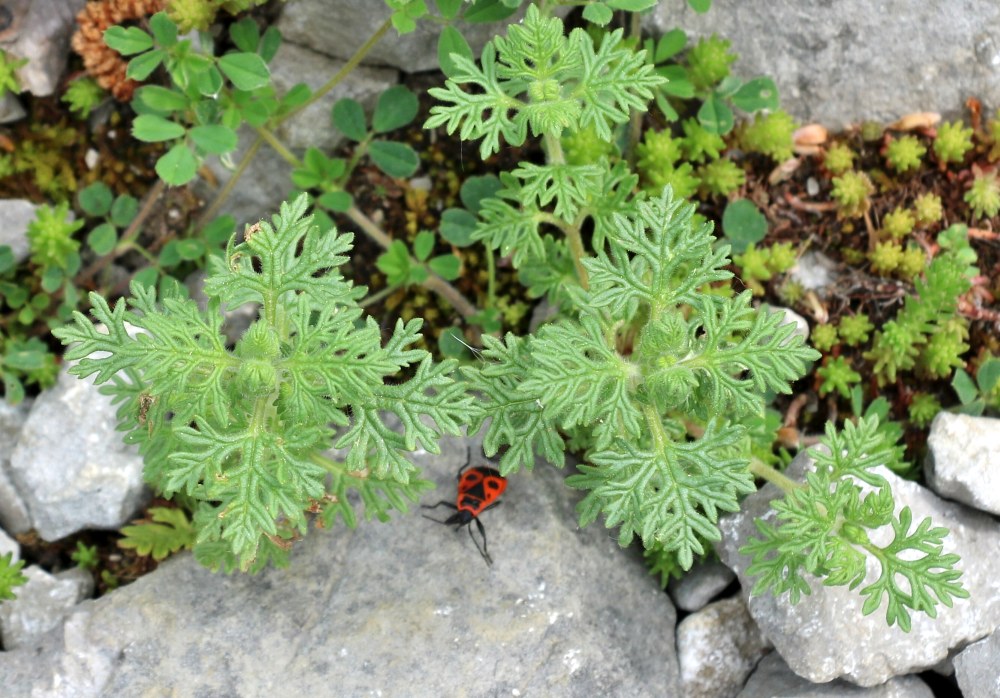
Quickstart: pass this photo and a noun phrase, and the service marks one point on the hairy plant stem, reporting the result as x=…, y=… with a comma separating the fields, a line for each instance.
x=554, y=155
x=764, y=471
x=635, y=118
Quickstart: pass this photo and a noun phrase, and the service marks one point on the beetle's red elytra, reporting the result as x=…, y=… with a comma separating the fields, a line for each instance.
x=479, y=489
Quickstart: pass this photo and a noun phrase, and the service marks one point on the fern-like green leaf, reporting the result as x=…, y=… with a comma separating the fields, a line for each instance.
x=516, y=418
x=10, y=576
x=671, y=493
x=168, y=532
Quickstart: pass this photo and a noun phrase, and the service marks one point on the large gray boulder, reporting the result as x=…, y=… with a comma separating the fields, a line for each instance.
x=846, y=61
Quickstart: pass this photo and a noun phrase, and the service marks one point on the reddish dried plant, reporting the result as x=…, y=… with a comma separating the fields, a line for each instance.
x=104, y=63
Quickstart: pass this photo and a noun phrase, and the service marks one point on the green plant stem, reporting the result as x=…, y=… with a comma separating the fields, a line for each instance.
x=491, y=284
x=131, y=232
x=376, y=297
x=352, y=63
x=433, y=283
x=764, y=471
x=635, y=118
x=555, y=156
x=335, y=80
x=209, y=213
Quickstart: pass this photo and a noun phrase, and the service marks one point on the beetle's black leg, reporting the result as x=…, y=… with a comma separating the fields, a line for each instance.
x=483, y=550
x=442, y=502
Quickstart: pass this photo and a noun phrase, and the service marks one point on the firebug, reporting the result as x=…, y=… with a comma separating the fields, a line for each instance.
x=479, y=489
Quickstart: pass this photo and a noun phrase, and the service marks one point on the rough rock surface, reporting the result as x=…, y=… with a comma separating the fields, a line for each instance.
x=388, y=609
x=846, y=61
x=717, y=648
x=16, y=214
x=977, y=668
x=13, y=511
x=339, y=31
x=70, y=465
x=41, y=604
x=773, y=678
x=700, y=584
x=39, y=30
x=826, y=637
x=963, y=460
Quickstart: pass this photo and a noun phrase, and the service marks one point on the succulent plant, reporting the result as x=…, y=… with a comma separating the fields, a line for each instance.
x=721, y=177
x=709, y=61
x=824, y=337
x=912, y=263
x=839, y=158
x=837, y=375
x=854, y=329
x=699, y=143
x=953, y=141
x=983, y=195
x=928, y=209
x=904, y=154
x=886, y=256
x=851, y=190
x=923, y=409
x=898, y=223
x=771, y=134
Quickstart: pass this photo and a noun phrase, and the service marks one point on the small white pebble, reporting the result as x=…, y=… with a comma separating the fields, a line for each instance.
x=90, y=158
x=812, y=186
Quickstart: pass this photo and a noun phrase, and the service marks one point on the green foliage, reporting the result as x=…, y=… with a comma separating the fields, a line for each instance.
x=167, y=532
x=952, y=142
x=886, y=257
x=743, y=225
x=932, y=311
x=983, y=392
x=396, y=108
x=898, y=223
x=242, y=432
x=711, y=362
x=209, y=96
x=824, y=336
x=82, y=95
x=760, y=264
x=854, y=329
x=923, y=409
x=823, y=529
x=585, y=146
x=983, y=195
x=912, y=263
x=851, y=190
x=722, y=177
x=537, y=77
x=85, y=555
x=709, y=61
x=928, y=209
x=770, y=135
x=904, y=154
x=8, y=68
x=703, y=73
x=10, y=576
x=699, y=143
x=50, y=236
x=838, y=376
x=839, y=158
x=403, y=267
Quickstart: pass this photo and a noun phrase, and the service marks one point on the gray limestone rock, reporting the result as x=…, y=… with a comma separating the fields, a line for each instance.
x=847, y=61
x=41, y=604
x=11, y=109
x=339, y=31
x=13, y=511
x=402, y=608
x=312, y=126
x=16, y=214
x=39, y=30
x=977, y=668
x=70, y=465
x=717, y=648
x=700, y=584
x=826, y=637
x=963, y=460
x=773, y=679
